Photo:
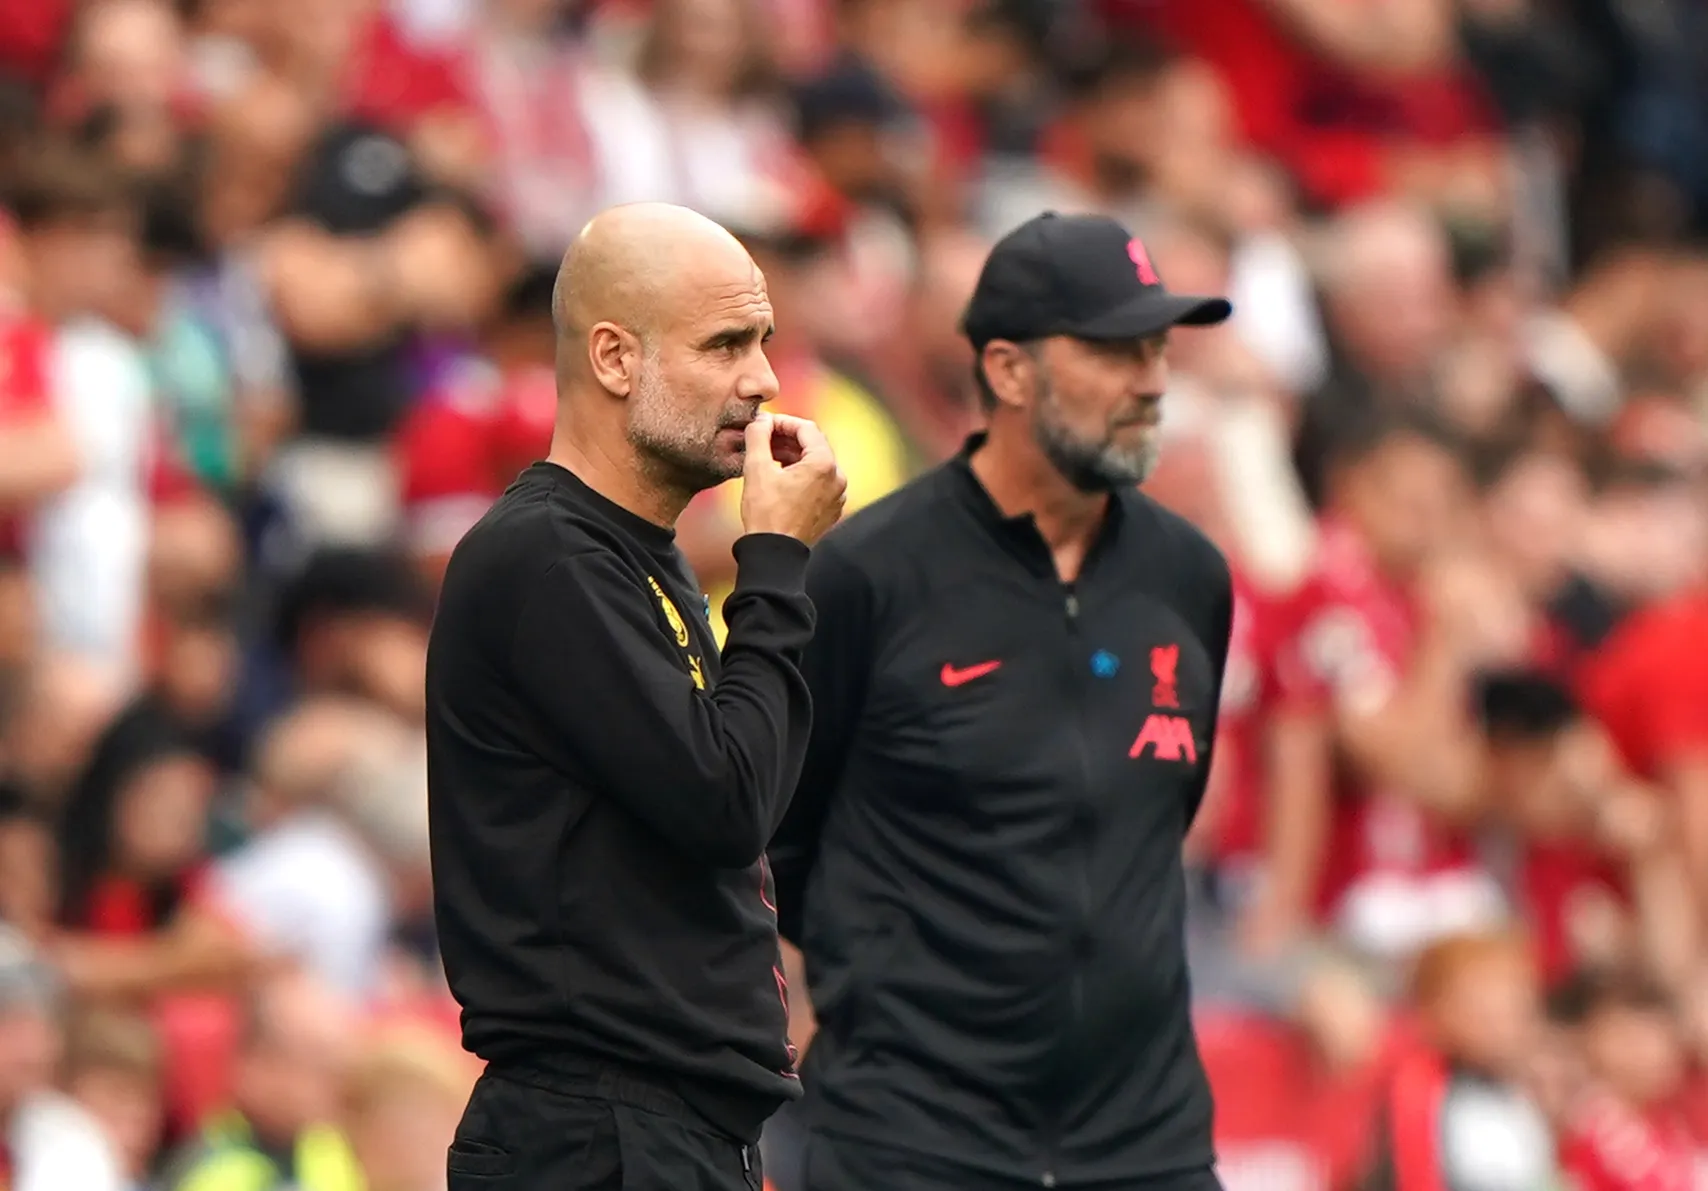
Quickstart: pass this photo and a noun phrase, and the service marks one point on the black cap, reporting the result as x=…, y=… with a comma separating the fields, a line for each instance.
x=357, y=180
x=1079, y=275
x=850, y=91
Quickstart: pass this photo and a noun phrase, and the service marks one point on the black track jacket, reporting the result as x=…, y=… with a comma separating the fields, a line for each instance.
x=982, y=863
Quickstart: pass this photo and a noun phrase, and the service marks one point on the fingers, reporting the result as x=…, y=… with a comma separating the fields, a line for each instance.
x=814, y=445
x=758, y=435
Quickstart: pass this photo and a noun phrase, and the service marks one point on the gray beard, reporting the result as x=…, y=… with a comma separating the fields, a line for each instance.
x=669, y=455
x=1090, y=467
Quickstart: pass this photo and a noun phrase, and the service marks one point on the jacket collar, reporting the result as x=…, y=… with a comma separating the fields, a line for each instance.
x=1019, y=535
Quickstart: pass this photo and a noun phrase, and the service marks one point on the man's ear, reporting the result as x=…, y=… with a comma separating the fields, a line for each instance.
x=1007, y=369
x=612, y=354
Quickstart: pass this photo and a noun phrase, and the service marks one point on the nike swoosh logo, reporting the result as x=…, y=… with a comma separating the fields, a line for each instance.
x=960, y=677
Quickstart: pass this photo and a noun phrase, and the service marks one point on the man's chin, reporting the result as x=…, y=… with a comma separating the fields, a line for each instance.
x=1099, y=476
x=720, y=472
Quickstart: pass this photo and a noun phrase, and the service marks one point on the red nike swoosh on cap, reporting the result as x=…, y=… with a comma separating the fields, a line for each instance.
x=958, y=677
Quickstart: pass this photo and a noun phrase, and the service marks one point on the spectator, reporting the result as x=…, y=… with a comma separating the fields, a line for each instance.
x=1595, y=869
x=933, y=365
x=1354, y=102
x=1654, y=707
x=281, y=1128
x=308, y=886
x=1096, y=158
x=707, y=127
x=1624, y=1129
x=238, y=179
x=368, y=258
x=1388, y=296
x=51, y=1143
x=40, y=457
x=113, y=1068
x=384, y=798
x=856, y=188
x=200, y=402
x=1641, y=543
x=354, y=622
x=1536, y=506
x=131, y=834
x=193, y=673
x=404, y=1096
x=491, y=416
x=1456, y=1114
x=27, y=862
x=1385, y=681
x=88, y=544
x=63, y=706
x=132, y=870
x=534, y=87
x=1225, y=394
x=126, y=81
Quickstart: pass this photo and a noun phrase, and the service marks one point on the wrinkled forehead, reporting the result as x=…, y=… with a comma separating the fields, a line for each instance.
x=716, y=296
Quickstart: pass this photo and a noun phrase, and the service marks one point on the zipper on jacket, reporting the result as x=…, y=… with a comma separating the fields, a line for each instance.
x=1082, y=884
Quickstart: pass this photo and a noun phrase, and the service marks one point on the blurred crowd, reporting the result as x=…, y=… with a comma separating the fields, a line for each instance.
x=275, y=328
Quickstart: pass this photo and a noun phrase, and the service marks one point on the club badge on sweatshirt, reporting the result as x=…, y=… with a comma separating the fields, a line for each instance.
x=679, y=627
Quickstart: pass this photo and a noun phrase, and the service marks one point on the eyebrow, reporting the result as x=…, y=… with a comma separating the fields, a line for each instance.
x=735, y=337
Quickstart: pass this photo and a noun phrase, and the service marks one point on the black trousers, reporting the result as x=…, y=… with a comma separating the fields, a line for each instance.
x=840, y=1164
x=611, y=1132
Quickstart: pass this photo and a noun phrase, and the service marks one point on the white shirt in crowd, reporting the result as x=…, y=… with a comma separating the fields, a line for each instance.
x=56, y=1146
x=310, y=889
x=88, y=546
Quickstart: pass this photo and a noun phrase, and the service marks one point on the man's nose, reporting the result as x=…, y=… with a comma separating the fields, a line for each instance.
x=759, y=382
x=1154, y=374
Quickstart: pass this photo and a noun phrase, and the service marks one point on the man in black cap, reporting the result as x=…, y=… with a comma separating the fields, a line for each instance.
x=1015, y=680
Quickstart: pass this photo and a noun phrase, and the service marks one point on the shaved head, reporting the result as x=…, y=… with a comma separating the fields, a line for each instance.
x=631, y=263
x=661, y=316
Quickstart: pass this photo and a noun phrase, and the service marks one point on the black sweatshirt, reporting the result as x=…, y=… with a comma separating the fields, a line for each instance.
x=983, y=861
x=602, y=786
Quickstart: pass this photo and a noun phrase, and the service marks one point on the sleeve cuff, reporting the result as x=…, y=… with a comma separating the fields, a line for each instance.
x=771, y=561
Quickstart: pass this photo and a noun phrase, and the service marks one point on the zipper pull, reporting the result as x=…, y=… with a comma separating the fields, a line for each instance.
x=1072, y=606
x=746, y=1162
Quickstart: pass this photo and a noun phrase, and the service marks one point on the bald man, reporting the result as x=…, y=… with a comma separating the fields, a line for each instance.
x=602, y=782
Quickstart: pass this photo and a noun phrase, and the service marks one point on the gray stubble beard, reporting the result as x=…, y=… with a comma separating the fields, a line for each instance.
x=1089, y=467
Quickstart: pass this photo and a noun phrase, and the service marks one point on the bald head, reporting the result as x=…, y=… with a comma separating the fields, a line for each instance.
x=292, y=1009
x=1373, y=243
x=1389, y=283
x=632, y=264
x=661, y=319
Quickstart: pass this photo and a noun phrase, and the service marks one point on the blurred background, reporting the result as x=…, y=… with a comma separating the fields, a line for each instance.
x=274, y=330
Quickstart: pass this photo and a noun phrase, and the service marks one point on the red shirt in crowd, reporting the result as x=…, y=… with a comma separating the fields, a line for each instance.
x=1655, y=709
x=1348, y=638
x=1332, y=128
x=1234, y=803
x=1693, y=1108
x=26, y=353
x=122, y=908
x=1283, y=1121
x=32, y=34
x=463, y=444
x=1609, y=1146
x=1565, y=889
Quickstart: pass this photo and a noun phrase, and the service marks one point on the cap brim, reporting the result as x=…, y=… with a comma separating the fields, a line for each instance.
x=1152, y=314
